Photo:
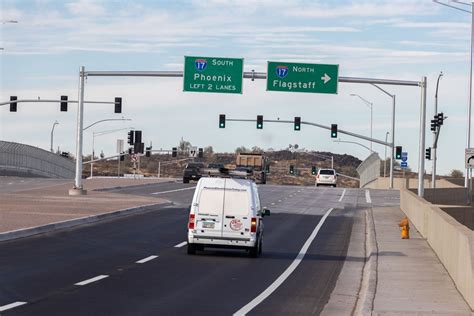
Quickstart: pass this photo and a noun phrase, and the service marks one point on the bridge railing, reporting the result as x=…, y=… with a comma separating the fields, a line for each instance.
x=369, y=169
x=20, y=159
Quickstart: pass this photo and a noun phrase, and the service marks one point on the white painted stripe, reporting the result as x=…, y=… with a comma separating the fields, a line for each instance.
x=177, y=190
x=279, y=200
x=94, y=279
x=367, y=196
x=342, y=195
x=10, y=306
x=279, y=281
x=181, y=244
x=147, y=259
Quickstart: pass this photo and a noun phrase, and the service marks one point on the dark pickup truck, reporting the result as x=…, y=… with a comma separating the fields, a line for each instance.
x=192, y=171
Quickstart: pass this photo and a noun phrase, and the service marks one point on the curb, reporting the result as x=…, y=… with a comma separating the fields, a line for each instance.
x=129, y=186
x=56, y=226
x=365, y=303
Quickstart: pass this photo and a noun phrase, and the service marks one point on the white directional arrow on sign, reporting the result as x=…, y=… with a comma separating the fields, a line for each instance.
x=325, y=78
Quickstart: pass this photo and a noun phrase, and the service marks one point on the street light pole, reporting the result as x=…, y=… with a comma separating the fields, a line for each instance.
x=385, y=157
x=371, y=106
x=433, y=154
x=52, y=133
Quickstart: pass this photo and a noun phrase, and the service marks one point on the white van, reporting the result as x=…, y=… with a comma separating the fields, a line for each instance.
x=226, y=213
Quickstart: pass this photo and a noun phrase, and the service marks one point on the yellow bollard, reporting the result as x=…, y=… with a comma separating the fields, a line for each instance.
x=405, y=234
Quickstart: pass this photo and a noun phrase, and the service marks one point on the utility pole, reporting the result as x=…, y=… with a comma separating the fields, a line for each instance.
x=435, y=137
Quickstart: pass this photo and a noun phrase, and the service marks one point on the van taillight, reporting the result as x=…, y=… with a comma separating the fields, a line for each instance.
x=191, y=221
x=253, y=225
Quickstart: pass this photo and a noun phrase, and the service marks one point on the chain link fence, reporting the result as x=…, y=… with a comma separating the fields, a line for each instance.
x=24, y=160
x=369, y=169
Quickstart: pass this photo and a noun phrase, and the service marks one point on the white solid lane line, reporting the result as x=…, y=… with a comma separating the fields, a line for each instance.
x=181, y=244
x=367, y=196
x=10, y=306
x=177, y=190
x=97, y=278
x=292, y=267
x=147, y=259
x=342, y=195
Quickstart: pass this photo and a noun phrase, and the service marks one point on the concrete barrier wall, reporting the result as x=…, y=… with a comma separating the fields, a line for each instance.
x=403, y=183
x=452, y=242
x=20, y=159
x=446, y=196
x=369, y=170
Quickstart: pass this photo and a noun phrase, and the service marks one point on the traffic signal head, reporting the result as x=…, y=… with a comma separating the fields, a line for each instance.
x=139, y=148
x=297, y=123
x=174, y=152
x=63, y=106
x=200, y=153
x=314, y=170
x=118, y=105
x=131, y=137
x=398, y=152
x=259, y=121
x=440, y=118
x=428, y=153
x=333, y=130
x=122, y=157
x=292, y=169
x=13, y=105
x=138, y=136
x=434, y=123
x=148, y=152
x=221, y=120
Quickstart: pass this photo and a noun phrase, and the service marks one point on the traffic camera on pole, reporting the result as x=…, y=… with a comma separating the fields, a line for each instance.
x=398, y=152
x=13, y=105
x=259, y=121
x=221, y=120
x=118, y=105
x=63, y=104
x=428, y=153
x=333, y=130
x=297, y=123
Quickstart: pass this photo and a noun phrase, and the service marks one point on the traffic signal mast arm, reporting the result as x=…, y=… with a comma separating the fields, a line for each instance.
x=53, y=101
x=317, y=125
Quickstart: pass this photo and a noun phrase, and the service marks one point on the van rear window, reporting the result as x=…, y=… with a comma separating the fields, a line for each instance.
x=211, y=201
x=326, y=171
x=236, y=202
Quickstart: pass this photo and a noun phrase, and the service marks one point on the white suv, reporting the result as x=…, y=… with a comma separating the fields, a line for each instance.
x=326, y=177
x=226, y=213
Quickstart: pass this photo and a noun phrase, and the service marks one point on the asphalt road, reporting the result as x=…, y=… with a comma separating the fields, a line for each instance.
x=96, y=269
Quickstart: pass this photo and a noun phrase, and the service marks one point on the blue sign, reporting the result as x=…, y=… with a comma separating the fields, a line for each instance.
x=281, y=71
x=200, y=64
x=404, y=156
x=404, y=164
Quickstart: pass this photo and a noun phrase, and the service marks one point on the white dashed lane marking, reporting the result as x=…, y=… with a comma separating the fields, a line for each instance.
x=171, y=191
x=10, y=306
x=94, y=279
x=147, y=259
x=342, y=195
x=367, y=196
x=181, y=244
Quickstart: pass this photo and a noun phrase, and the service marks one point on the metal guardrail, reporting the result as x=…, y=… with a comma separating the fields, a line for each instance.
x=21, y=159
x=369, y=169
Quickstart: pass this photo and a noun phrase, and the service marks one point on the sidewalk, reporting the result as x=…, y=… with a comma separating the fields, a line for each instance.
x=51, y=203
x=410, y=278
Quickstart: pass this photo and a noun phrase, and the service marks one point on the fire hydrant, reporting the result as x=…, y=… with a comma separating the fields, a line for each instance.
x=405, y=226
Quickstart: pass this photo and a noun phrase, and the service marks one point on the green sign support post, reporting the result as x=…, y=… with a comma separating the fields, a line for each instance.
x=213, y=74
x=299, y=77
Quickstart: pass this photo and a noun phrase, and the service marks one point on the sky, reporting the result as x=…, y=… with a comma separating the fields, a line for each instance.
x=397, y=39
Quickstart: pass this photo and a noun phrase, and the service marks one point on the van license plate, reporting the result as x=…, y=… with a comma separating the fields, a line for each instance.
x=208, y=224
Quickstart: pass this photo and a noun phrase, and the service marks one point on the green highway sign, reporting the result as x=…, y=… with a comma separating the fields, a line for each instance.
x=213, y=74
x=298, y=77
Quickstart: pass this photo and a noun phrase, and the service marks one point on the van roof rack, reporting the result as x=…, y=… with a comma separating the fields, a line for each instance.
x=227, y=173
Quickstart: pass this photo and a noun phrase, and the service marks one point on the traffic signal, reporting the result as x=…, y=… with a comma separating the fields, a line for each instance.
x=314, y=170
x=138, y=137
x=398, y=152
x=118, y=105
x=130, y=151
x=434, y=123
x=292, y=169
x=200, y=153
x=148, y=152
x=259, y=121
x=221, y=120
x=13, y=105
x=63, y=104
x=139, y=148
x=333, y=130
x=428, y=153
x=122, y=157
x=174, y=152
x=297, y=123
x=440, y=118
x=131, y=137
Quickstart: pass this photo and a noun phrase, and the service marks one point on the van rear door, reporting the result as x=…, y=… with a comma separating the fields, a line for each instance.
x=209, y=212
x=237, y=203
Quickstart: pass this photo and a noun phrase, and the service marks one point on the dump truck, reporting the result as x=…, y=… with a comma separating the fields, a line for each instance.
x=257, y=164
